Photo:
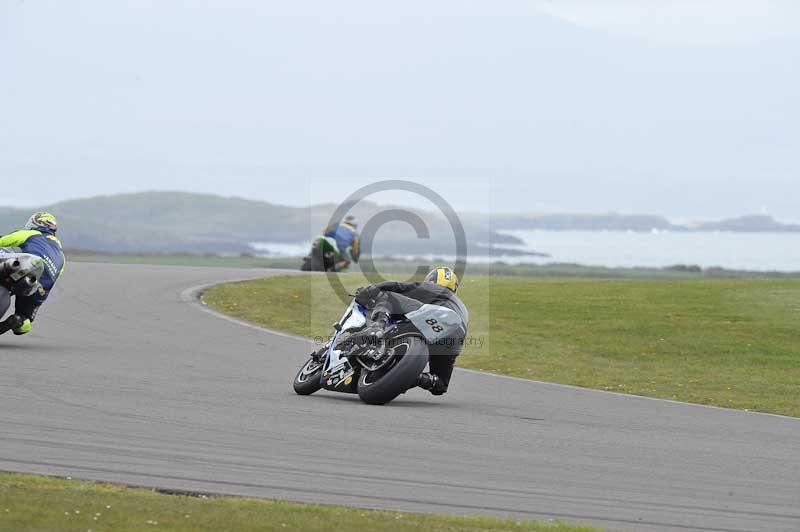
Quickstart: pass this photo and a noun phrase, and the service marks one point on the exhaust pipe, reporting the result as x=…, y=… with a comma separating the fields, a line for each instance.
x=21, y=274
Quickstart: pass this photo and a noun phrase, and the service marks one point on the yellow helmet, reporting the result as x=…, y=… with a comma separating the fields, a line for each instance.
x=443, y=276
x=42, y=221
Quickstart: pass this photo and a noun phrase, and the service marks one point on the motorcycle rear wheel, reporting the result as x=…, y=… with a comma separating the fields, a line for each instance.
x=385, y=384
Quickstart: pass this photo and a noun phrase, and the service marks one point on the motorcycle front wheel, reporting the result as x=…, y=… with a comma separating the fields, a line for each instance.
x=398, y=376
x=307, y=380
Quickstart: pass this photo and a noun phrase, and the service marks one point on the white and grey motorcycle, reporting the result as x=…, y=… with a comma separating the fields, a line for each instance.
x=381, y=367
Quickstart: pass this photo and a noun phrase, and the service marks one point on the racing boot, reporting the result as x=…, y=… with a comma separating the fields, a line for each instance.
x=13, y=322
x=432, y=383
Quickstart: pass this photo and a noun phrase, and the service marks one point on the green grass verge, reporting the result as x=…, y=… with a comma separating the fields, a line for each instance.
x=31, y=503
x=731, y=343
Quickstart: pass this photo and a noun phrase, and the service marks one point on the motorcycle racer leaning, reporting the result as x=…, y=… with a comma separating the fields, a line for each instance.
x=347, y=240
x=37, y=238
x=438, y=288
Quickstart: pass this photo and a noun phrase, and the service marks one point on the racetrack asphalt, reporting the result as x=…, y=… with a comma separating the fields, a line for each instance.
x=125, y=379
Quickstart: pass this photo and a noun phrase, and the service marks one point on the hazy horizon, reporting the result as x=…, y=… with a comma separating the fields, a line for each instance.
x=408, y=200
x=686, y=110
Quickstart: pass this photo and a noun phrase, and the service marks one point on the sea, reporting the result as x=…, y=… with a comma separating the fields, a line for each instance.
x=655, y=249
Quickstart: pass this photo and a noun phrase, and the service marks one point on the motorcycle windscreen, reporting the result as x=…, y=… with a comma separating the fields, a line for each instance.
x=339, y=373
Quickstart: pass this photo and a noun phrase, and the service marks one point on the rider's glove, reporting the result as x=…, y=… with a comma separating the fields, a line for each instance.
x=367, y=295
x=25, y=328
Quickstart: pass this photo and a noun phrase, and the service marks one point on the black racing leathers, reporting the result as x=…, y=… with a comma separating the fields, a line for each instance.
x=383, y=298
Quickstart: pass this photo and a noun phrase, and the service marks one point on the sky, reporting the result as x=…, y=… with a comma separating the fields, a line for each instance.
x=682, y=108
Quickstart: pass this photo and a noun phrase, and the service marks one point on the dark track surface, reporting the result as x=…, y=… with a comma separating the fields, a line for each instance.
x=123, y=380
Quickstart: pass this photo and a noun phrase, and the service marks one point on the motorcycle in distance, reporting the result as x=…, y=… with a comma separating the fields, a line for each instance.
x=323, y=257
x=19, y=276
x=389, y=365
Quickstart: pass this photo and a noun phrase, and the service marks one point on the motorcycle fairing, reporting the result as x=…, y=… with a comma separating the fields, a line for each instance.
x=435, y=322
x=332, y=243
x=338, y=372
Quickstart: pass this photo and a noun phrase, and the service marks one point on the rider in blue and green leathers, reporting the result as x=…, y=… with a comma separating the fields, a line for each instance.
x=37, y=238
x=347, y=240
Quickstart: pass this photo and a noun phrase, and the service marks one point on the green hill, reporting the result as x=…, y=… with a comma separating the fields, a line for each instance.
x=178, y=222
